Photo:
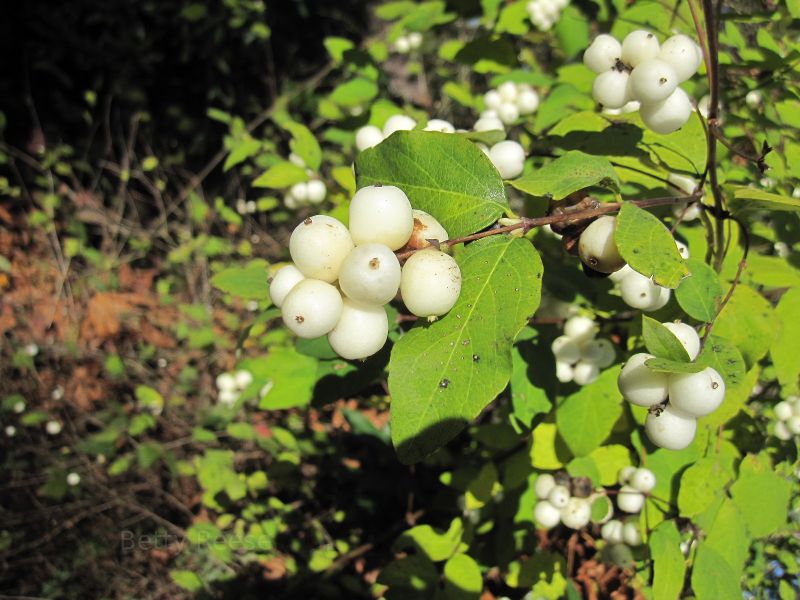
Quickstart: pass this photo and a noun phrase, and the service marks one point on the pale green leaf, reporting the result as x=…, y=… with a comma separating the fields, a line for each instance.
x=462, y=578
x=748, y=321
x=761, y=495
x=749, y=199
x=700, y=293
x=281, y=175
x=661, y=342
x=245, y=282
x=188, y=580
x=728, y=536
x=700, y=484
x=436, y=545
x=712, y=577
x=669, y=566
x=784, y=350
x=665, y=365
x=304, y=144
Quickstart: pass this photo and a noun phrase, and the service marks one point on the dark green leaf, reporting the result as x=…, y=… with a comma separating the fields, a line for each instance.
x=569, y=173
x=661, y=342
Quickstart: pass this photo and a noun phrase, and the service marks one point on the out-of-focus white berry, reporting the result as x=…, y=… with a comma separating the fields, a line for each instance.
x=316, y=191
x=10, y=431
x=489, y=124
x=398, y=123
x=783, y=411
x=544, y=485
x=243, y=379
x=492, y=99
x=368, y=136
x=612, y=531
x=547, y=515
x=558, y=496
x=73, y=479
x=629, y=499
x=564, y=371
x=566, y=349
x=580, y=328
x=414, y=40
x=631, y=535
x=440, y=125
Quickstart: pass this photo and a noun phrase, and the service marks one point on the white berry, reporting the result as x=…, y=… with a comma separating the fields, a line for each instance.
x=381, y=214
x=426, y=228
x=492, y=99
x=527, y=101
x=430, y=283
x=312, y=308
x=599, y=352
x=370, y=274
x=612, y=531
x=508, y=157
x=687, y=336
x=638, y=46
x=564, y=371
x=639, y=292
x=507, y=91
x=226, y=382
x=558, y=496
x=488, y=124
x=318, y=246
x=577, y=513
x=631, y=535
x=667, y=115
x=316, y=191
x=653, y=80
x=360, y=332
x=440, y=125
x=597, y=248
x=643, y=480
x=414, y=40
x=368, y=136
x=639, y=385
x=625, y=474
x=793, y=424
x=398, y=123
x=629, y=499
x=282, y=283
x=782, y=431
x=299, y=191
x=544, y=485
x=683, y=54
x=547, y=515
x=585, y=373
x=783, y=411
x=566, y=349
x=580, y=328
x=508, y=112
x=671, y=429
x=603, y=53
x=610, y=88
x=696, y=394
x=243, y=379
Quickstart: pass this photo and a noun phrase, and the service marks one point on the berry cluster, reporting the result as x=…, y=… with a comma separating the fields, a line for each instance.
x=362, y=260
x=305, y=193
x=406, y=43
x=579, y=355
x=619, y=532
x=545, y=13
x=557, y=504
x=640, y=70
x=370, y=135
x=675, y=400
x=231, y=385
x=508, y=102
x=787, y=413
x=635, y=485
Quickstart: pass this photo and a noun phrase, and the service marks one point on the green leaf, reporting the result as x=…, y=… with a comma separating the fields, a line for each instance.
x=337, y=46
x=462, y=578
x=241, y=151
x=700, y=293
x=281, y=175
x=700, y=484
x=648, y=247
x=784, y=350
x=437, y=546
x=354, y=93
x=188, y=580
x=661, y=342
x=722, y=355
x=748, y=321
x=149, y=398
x=573, y=31
x=586, y=417
x=442, y=174
x=728, y=536
x=462, y=361
x=669, y=566
x=609, y=460
x=569, y=173
x=712, y=577
x=547, y=450
x=292, y=375
x=749, y=199
x=304, y=144
x=665, y=365
x=683, y=150
x=244, y=282
x=761, y=495
x=415, y=574
x=513, y=19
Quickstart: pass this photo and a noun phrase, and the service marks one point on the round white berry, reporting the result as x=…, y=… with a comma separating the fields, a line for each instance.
x=610, y=89
x=631, y=535
x=639, y=385
x=793, y=424
x=527, y=101
x=696, y=394
x=370, y=274
x=299, y=191
x=508, y=113
x=226, y=382
x=402, y=45
x=290, y=201
x=368, y=136
x=599, y=352
x=319, y=245
x=430, y=283
x=426, y=228
x=489, y=124
x=782, y=431
x=580, y=328
x=282, y=283
x=243, y=379
x=684, y=183
x=312, y=308
x=228, y=397
x=414, y=40
x=585, y=373
x=507, y=91
x=618, y=276
x=566, y=349
x=492, y=99
x=577, y=513
x=687, y=336
x=653, y=80
x=625, y=474
x=558, y=496
x=508, y=157
x=670, y=429
x=440, y=125
x=612, y=531
x=640, y=292
x=603, y=53
x=783, y=411
x=398, y=123
x=73, y=479
x=683, y=54
x=667, y=115
x=597, y=248
x=52, y=427
x=544, y=485
x=753, y=99
x=564, y=371
x=381, y=214
x=547, y=515
x=629, y=499
x=643, y=480
x=638, y=46
x=316, y=191
x=360, y=332
x=10, y=430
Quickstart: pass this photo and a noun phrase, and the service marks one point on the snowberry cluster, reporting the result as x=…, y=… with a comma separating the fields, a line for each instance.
x=370, y=135
x=305, y=193
x=545, y=13
x=406, y=43
x=362, y=260
x=619, y=532
x=247, y=207
x=635, y=484
x=579, y=355
x=641, y=70
x=787, y=413
x=508, y=102
x=231, y=385
x=675, y=400
x=556, y=504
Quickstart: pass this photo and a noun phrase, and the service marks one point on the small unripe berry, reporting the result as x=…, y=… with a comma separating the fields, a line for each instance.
x=597, y=248
x=398, y=123
x=653, y=80
x=671, y=429
x=687, y=336
x=426, y=227
x=360, y=332
x=643, y=480
x=667, y=115
x=639, y=385
x=580, y=328
x=282, y=283
x=558, y=496
x=577, y=513
x=370, y=274
x=603, y=53
x=430, y=283
x=610, y=89
x=683, y=54
x=629, y=499
x=638, y=46
x=544, y=485
x=547, y=515
x=368, y=136
x=312, y=308
x=508, y=157
x=318, y=246
x=696, y=394
x=381, y=215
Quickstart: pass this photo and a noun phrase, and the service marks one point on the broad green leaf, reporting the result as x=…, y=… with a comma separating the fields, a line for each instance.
x=462, y=578
x=722, y=355
x=609, y=460
x=245, y=282
x=648, y=247
x=784, y=350
x=462, y=361
x=547, y=450
x=683, y=150
x=748, y=199
x=354, y=93
x=661, y=342
x=442, y=174
x=712, y=576
x=569, y=173
x=281, y=175
x=304, y=144
x=287, y=376
x=665, y=365
x=669, y=566
x=514, y=19
x=728, y=536
x=748, y=321
x=337, y=46
x=394, y=10
x=586, y=417
x=532, y=379
x=700, y=293
x=573, y=31
x=761, y=495
x=488, y=55
x=149, y=398
x=436, y=545
x=700, y=484
x=241, y=151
